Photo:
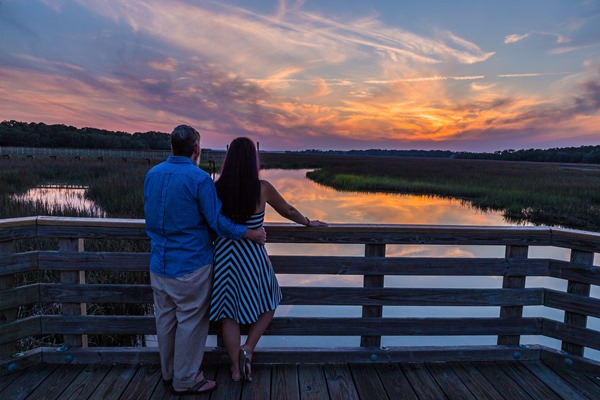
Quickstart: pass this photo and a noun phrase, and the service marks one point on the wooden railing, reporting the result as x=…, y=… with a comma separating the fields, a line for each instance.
x=72, y=293
x=63, y=152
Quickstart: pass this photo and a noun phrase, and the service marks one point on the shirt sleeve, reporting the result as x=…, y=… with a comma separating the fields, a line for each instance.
x=210, y=207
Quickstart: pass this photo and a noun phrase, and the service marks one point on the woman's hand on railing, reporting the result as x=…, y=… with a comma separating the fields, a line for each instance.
x=316, y=223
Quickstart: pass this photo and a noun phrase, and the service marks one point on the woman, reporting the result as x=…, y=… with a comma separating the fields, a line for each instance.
x=245, y=289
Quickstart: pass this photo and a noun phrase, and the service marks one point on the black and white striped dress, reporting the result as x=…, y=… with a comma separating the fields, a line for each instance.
x=245, y=284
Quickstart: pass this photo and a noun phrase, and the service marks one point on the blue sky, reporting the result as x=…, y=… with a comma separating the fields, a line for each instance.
x=457, y=75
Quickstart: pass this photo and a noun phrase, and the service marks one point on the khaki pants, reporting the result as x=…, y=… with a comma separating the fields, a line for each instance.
x=181, y=308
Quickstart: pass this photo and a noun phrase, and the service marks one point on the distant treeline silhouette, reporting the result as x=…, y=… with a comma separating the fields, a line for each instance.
x=32, y=134
x=582, y=154
x=23, y=134
x=383, y=153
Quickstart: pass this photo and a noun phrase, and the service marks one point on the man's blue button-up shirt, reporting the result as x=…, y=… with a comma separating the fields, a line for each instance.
x=181, y=206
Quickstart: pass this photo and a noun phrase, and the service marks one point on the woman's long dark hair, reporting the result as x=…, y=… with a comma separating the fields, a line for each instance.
x=238, y=186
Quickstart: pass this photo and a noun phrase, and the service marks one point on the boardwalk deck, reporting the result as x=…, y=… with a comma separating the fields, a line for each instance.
x=422, y=381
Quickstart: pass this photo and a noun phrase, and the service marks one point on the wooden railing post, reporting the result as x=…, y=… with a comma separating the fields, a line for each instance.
x=372, y=281
x=73, y=277
x=584, y=258
x=7, y=316
x=512, y=282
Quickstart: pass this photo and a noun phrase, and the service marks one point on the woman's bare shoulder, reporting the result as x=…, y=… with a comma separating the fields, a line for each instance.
x=268, y=191
x=264, y=184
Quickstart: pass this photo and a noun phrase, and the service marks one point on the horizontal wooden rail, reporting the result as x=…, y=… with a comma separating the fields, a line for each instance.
x=311, y=265
x=571, y=271
x=83, y=152
x=411, y=297
x=97, y=293
x=291, y=355
x=19, y=296
x=99, y=228
x=572, y=303
x=416, y=266
x=121, y=293
x=18, y=263
x=582, y=336
x=318, y=326
x=20, y=329
x=88, y=261
x=78, y=153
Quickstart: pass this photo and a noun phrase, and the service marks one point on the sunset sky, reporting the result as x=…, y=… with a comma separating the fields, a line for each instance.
x=469, y=75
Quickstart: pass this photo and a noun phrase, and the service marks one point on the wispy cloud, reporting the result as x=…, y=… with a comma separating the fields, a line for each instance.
x=426, y=79
x=531, y=75
x=41, y=61
x=514, y=38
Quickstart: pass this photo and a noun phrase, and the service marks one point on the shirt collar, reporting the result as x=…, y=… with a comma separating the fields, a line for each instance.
x=179, y=160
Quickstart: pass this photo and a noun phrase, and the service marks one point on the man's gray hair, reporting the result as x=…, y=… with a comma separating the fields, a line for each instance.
x=184, y=140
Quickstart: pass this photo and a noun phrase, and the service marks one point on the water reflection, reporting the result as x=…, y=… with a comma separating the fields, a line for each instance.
x=63, y=198
x=321, y=202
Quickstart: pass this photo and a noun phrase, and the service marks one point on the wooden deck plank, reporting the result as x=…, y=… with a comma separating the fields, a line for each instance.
x=578, y=379
x=260, y=387
x=54, y=385
x=367, y=382
x=395, y=383
x=501, y=381
x=226, y=388
x=284, y=383
x=163, y=391
x=449, y=381
x=475, y=381
x=114, y=382
x=528, y=381
x=594, y=378
x=143, y=383
x=422, y=382
x=8, y=379
x=312, y=383
x=545, y=374
x=27, y=382
x=85, y=383
x=339, y=382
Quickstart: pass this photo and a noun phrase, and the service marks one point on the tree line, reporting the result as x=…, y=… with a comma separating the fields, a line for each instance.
x=23, y=134
x=581, y=154
x=383, y=153
x=32, y=134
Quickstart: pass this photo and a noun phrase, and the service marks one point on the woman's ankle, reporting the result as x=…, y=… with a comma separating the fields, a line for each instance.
x=236, y=374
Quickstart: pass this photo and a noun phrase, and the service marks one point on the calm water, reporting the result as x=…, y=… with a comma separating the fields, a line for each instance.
x=319, y=202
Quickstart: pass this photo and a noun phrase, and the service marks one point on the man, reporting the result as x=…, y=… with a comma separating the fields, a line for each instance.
x=181, y=208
